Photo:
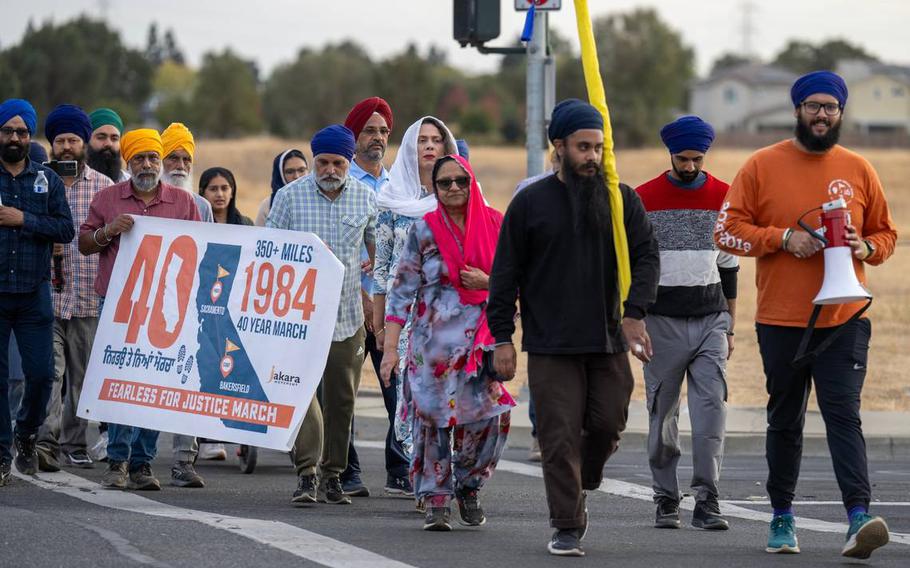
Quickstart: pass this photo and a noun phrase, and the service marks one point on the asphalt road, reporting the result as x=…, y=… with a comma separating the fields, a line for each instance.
x=247, y=520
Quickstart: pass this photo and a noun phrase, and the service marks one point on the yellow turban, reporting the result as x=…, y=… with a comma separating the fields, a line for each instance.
x=140, y=140
x=178, y=136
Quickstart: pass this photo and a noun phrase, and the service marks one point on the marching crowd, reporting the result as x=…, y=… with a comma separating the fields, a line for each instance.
x=435, y=280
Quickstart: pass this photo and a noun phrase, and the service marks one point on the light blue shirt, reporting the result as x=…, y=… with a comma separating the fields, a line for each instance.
x=358, y=173
x=345, y=225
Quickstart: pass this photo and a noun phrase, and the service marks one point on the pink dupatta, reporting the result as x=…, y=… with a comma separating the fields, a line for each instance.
x=477, y=249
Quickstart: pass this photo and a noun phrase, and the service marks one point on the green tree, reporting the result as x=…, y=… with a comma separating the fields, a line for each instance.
x=318, y=89
x=646, y=70
x=803, y=57
x=226, y=99
x=174, y=86
x=81, y=62
x=410, y=84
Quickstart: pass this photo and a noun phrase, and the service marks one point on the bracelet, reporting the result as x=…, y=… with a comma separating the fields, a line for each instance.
x=730, y=332
x=787, y=234
x=104, y=232
x=378, y=331
x=95, y=238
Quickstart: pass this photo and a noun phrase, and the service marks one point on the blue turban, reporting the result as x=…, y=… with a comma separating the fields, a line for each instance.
x=463, y=150
x=68, y=119
x=819, y=82
x=37, y=153
x=571, y=115
x=22, y=108
x=335, y=139
x=687, y=133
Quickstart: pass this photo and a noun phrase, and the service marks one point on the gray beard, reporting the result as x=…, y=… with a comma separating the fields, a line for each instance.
x=145, y=183
x=330, y=186
x=183, y=182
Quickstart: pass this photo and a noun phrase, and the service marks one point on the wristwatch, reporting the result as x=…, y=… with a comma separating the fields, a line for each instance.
x=870, y=246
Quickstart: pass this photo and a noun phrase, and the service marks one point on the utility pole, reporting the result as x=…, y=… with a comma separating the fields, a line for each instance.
x=536, y=95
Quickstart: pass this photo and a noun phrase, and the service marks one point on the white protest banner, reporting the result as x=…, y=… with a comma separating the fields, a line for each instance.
x=211, y=330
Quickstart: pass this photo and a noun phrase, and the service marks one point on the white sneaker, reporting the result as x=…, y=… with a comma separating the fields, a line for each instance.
x=98, y=452
x=214, y=452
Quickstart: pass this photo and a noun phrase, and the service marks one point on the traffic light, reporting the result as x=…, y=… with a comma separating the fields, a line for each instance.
x=476, y=21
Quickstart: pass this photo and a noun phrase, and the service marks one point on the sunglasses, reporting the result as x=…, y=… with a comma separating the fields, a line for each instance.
x=445, y=183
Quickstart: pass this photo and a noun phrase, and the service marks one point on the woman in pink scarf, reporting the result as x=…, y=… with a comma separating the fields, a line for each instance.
x=443, y=275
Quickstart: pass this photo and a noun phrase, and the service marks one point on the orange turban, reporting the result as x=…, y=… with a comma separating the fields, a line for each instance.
x=177, y=136
x=140, y=140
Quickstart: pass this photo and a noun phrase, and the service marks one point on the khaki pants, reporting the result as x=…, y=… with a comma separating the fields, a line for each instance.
x=326, y=428
x=62, y=429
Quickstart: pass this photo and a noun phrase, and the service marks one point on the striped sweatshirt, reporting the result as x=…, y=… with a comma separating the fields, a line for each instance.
x=696, y=279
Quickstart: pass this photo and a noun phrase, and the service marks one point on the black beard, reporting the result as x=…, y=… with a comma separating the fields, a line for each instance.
x=80, y=159
x=815, y=143
x=105, y=162
x=589, y=198
x=685, y=177
x=13, y=153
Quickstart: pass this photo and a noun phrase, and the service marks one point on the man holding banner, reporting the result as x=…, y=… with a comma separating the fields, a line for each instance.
x=341, y=211
x=131, y=450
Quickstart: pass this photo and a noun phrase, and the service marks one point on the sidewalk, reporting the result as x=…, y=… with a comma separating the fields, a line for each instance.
x=887, y=433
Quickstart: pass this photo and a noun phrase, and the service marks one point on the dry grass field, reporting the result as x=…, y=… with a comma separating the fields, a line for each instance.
x=499, y=169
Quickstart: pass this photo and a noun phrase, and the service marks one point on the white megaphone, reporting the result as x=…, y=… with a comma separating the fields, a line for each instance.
x=840, y=285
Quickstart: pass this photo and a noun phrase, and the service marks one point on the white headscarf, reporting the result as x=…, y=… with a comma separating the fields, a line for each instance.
x=402, y=193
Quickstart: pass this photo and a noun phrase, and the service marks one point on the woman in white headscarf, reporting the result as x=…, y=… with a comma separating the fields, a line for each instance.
x=407, y=196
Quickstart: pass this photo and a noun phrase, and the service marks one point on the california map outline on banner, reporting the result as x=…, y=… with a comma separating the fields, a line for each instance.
x=214, y=331
x=224, y=367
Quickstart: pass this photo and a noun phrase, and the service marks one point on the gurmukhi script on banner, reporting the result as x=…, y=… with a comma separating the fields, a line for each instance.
x=211, y=330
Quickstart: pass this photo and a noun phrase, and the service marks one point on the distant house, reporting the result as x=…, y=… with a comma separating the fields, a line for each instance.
x=746, y=98
x=879, y=97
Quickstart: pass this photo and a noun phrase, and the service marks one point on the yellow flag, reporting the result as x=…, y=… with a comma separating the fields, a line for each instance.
x=222, y=272
x=229, y=346
x=598, y=99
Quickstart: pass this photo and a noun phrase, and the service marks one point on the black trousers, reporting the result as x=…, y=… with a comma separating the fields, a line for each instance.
x=838, y=374
x=396, y=461
x=582, y=405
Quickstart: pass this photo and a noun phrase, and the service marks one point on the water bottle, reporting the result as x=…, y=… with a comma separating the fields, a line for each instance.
x=41, y=182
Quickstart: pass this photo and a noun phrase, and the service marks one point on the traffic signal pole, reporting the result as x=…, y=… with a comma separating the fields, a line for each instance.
x=536, y=142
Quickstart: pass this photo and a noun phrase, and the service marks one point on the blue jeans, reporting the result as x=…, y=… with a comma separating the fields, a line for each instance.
x=31, y=317
x=130, y=443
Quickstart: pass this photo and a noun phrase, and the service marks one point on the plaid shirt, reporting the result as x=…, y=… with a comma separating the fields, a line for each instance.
x=78, y=298
x=345, y=225
x=25, y=252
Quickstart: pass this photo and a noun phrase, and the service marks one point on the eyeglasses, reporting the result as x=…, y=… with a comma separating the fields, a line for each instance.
x=20, y=132
x=831, y=109
x=446, y=183
x=373, y=131
x=138, y=159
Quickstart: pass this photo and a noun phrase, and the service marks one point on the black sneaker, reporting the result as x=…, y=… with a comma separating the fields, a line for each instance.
x=142, y=479
x=6, y=471
x=437, y=519
x=183, y=474
x=707, y=516
x=566, y=542
x=354, y=487
x=26, y=454
x=78, y=458
x=331, y=492
x=469, y=508
x=667, y=515
x=306, y=489
x=400, y=486
x=47, y=460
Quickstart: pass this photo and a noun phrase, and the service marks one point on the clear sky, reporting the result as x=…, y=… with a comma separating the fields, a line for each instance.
x=272, y=31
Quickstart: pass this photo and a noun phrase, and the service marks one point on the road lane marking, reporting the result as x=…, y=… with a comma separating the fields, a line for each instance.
x=642, y=493
x=813, y=503
x=123, y=546
x=294, y=540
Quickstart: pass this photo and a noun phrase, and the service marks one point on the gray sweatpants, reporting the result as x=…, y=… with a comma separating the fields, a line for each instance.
x=695, y=347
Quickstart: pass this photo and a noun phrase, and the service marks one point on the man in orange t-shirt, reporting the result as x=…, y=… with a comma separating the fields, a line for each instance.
x=775, y=186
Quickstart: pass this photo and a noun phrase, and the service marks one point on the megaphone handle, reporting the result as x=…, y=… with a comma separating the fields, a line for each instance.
x=812, y=232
